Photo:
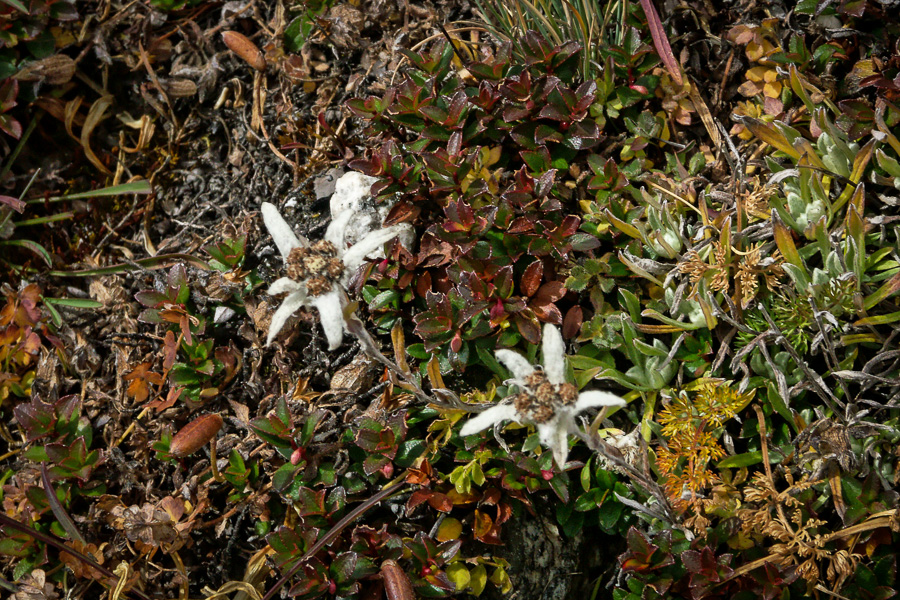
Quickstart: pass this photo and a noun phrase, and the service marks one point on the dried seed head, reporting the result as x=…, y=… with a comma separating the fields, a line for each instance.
x=530, y=407
x=535, y=380
x=296, y=265
x=316, y=265
x=568, y=393
x=243, y=47
x=540, y=399
x=318, y=285
x=324, y=247
x=195, y=435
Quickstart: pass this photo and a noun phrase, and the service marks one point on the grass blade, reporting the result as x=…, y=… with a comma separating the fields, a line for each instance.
x=44, y=220
x=658, y=33
x=154, y=262
x=58, y=511
x=135, y=187
x=33, y=246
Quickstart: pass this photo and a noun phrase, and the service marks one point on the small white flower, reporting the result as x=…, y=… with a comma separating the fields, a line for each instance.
x=317, y=273
x=545, y=399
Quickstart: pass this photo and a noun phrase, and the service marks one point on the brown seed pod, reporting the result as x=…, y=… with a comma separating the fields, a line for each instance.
x=54, y=70
x=195, y=435
x=179, y=88
x=243, y=47
x=396, y=582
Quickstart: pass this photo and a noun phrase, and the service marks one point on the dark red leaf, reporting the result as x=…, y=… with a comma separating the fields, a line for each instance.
x=528, y=326
x=402, y=212
x=550, y=292
x=572, y=322
x=14, y=203
x=531, y=278
x=548, y=313
x=440, y=502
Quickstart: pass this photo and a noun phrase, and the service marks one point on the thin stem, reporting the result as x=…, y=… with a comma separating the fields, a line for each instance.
x=389, y=489
x=52, y=540
x=358, y=330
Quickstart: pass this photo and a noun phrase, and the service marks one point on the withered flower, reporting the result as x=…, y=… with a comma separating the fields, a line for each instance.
x=753, y=266
x=696, y=268
x=35, y=586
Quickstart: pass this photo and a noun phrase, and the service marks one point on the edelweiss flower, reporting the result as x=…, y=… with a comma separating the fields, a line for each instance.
x=546, y=400
x=317, y=273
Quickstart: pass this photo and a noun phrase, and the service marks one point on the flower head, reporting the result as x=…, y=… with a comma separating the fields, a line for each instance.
x=317, y=273
x=545, y=399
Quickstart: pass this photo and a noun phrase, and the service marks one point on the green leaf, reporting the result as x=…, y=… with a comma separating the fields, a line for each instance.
x=653, y=314
x=589, y=500
x=852, y=490
x=586, y=475
x=343, y=567
x=574, y=524
x=878, y=320
x=478, y=579
x=888, y=289
x=182, y=374
x=459, y=575
x=606, y=480
x=610, y=515
x=772, y=135
x=409, y=451
x=54, y=315
x=648, y=350
x=865, y=578
x=74, y=302
x=560, y=484
x=18, y=6
x=779, y=404
x=33, y=246
x=384, y=299
x=418, y=351
x=632, y=304
x=532, y=442
x=487, y=359
x=741, y=460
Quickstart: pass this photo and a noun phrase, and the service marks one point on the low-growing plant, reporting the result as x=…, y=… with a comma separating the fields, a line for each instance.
x=21, y=322
x=24, y=34
x=203, y=369
x=486, y=270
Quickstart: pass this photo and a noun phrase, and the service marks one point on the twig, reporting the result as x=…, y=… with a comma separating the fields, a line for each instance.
x=764, y=446
x=600, y=446
x=886, y=518
x=59, y=544
x=389, y=489
x=448, y=398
